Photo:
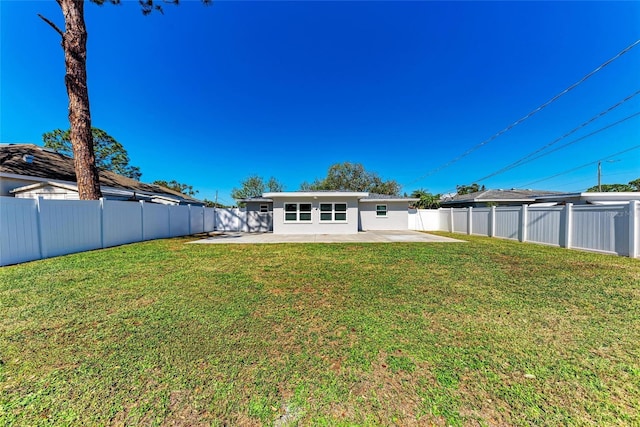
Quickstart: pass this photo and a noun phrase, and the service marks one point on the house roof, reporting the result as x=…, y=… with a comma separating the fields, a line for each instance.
x=512, y=195
x=32, y=162
x=596, y=198
x=298, y=194
x=256, y=199
x=106, y=191
x=362, y=196
x=375, y=197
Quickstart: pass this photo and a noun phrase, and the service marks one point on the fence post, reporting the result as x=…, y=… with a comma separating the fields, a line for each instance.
x=245, y=220
x=142, y=220
x=469, y=219
x=189, y=205
x=102, y=222
x=524, y=214
x=568, y=225
x=633, y=225
x=451, y=219
x=39, y=228
x=492, y=222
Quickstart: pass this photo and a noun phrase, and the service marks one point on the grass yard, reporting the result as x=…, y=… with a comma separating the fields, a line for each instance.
x=488, y=332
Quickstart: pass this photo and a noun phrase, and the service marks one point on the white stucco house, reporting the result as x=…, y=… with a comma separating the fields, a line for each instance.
x=326, y=212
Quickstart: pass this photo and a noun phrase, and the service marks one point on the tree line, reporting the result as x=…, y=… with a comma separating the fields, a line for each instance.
x=110, y=155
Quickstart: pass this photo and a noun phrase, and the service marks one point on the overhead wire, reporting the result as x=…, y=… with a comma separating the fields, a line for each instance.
x=527, y=116
x=582, y=166
x=595, y=132
x=523, y=159
x=602, y=129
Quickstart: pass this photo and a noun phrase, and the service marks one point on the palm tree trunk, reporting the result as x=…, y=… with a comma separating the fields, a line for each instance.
x=74, y=43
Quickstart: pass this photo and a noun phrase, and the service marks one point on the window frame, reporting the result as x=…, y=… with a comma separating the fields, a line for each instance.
x=333, y=212
x=264, y=207
x=382, y=213
x=298, y=213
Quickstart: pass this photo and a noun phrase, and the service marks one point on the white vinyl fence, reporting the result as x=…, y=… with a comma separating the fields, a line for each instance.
x=612, y=229
x=233, y=219
x=33, y=229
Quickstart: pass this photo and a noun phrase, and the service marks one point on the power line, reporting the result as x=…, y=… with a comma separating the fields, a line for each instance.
x=583, y=137
x=568, y=143
x=522, y=160
x=582, y=166
x=517, y=122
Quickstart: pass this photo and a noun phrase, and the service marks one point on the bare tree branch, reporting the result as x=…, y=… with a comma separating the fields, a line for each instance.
x=54, y=26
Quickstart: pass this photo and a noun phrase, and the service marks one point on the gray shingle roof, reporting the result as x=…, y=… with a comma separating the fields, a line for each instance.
x=499, y=195
x=50, y=165
x=376, y=196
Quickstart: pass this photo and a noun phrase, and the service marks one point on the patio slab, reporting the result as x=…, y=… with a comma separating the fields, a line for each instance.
x=362, y=237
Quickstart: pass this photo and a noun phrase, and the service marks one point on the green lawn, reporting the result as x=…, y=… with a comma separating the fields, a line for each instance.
x=487, y=332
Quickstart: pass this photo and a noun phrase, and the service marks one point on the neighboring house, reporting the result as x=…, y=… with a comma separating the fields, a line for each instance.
x=513, y=197
x=30, y=171
x=603, y=198
x=326, y=212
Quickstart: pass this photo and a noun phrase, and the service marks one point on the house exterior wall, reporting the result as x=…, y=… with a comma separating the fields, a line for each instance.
x=51, y=192
x=48, y=192
x=8, y=184
x=397, y=217
x=315, y=226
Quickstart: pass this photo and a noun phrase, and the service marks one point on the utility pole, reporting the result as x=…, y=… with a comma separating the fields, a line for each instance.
x=600, y=172
x=599, y=176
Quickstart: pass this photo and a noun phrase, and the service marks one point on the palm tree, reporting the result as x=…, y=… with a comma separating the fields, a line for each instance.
x=427, y=200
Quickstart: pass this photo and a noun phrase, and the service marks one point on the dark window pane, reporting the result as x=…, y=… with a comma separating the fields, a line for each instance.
x=305, y=207
x=325, y=207
x=324, y=216
x=340, y=216
x=290, y=207
x=305, y=216
x=290, y=217
x=341, y=207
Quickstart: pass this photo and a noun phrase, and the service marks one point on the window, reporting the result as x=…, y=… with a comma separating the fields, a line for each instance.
x=381, y=210
x=290, y=212
x=264, y=208
x=326, y=211
x=305, y=211
x=333, y=211
x=294, y=212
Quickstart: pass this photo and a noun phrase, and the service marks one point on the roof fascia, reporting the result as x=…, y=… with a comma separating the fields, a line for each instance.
x=315, y=194
x=403, y=199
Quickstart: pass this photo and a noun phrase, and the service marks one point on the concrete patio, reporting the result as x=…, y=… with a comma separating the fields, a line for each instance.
x=361, y=237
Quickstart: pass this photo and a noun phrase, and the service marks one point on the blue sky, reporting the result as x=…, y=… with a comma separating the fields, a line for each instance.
x=210, y=95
